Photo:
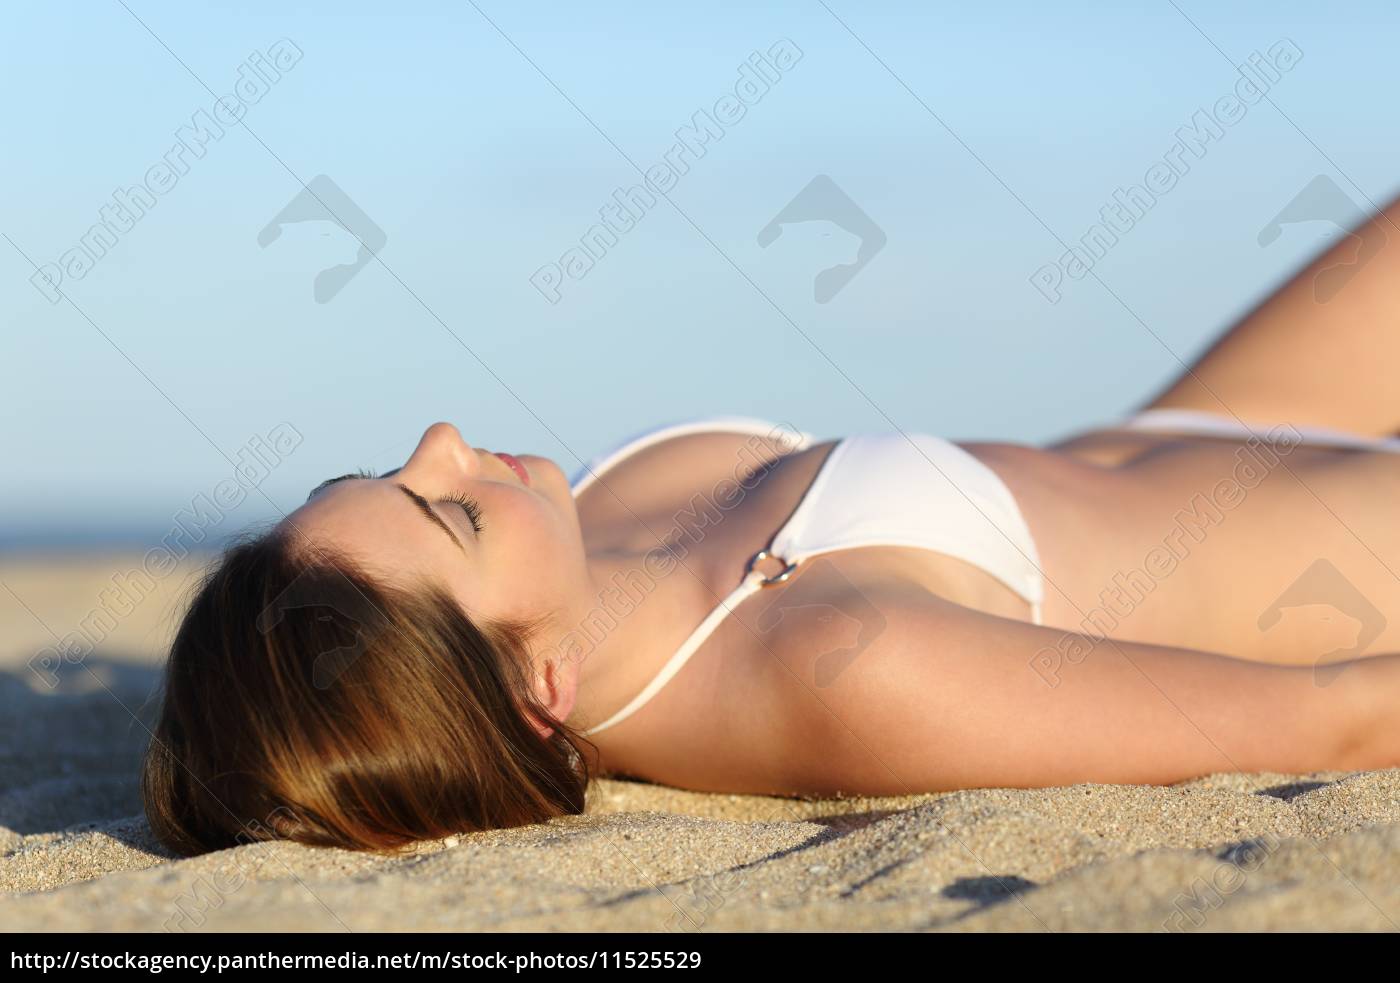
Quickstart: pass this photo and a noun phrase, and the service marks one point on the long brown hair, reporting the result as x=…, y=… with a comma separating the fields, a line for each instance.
x=302, y=700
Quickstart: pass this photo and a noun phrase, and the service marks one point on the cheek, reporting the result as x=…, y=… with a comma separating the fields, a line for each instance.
x=534, y=528
x=541, y=552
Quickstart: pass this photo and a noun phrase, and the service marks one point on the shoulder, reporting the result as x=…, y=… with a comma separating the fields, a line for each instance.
x=855, y=678
x=867, y=649
x=842, y=642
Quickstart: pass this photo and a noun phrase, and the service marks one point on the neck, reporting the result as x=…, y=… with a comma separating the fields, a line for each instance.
x=641, y=603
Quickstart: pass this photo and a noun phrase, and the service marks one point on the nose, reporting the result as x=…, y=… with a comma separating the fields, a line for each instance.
x=442, y=448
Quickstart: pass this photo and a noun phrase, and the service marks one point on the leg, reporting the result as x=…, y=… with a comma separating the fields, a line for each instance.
x=1324, y=350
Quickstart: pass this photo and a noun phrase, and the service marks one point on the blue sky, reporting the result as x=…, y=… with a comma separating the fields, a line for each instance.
x=483, y=142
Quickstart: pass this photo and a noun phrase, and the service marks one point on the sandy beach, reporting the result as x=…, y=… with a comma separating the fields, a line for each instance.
x=1228, y=852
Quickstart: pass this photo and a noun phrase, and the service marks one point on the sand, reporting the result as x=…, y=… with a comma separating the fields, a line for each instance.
x=1229, y=852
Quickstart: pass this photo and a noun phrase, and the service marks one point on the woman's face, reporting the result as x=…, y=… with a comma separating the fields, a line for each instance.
x=500, y=533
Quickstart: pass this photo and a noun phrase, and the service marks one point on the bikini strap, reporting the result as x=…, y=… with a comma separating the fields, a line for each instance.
x=753, y=582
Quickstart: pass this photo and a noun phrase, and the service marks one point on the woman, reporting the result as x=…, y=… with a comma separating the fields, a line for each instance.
x=738, y=607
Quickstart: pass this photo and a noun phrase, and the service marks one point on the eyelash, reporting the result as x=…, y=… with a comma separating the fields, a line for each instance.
x=470, y=507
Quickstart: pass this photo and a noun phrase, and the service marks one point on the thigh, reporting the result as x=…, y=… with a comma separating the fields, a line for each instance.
x=1323, y=350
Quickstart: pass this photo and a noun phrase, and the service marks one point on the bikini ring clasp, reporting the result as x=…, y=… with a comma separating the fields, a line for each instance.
x=778, y=577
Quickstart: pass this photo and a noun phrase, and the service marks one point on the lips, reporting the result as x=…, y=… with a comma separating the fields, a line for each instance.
x=514, y=464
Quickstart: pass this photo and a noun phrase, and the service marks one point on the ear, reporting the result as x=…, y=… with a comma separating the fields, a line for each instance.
x=555, y=686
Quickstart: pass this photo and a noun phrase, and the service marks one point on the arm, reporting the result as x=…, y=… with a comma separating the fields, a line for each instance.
x=950, y=698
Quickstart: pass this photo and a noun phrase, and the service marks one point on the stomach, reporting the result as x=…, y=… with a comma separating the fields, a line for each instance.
x=1286, y=555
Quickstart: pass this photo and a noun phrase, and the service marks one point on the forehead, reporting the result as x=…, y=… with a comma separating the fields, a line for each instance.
x=371, y=518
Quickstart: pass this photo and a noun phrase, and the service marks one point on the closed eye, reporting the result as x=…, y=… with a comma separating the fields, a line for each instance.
x=470, y=507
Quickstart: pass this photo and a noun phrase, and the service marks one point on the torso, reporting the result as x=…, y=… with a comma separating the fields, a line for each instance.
x=1100, y=506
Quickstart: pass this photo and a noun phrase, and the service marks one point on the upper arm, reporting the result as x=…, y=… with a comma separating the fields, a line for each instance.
x=946, y=697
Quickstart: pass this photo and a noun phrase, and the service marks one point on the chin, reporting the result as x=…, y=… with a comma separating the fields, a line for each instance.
x=548, y=480
x=537, y=464
x=544, y=473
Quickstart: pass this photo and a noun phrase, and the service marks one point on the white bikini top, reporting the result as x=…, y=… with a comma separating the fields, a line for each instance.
x=914, y=491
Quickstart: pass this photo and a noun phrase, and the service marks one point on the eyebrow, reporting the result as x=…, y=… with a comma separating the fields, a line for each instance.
x=427, y=510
